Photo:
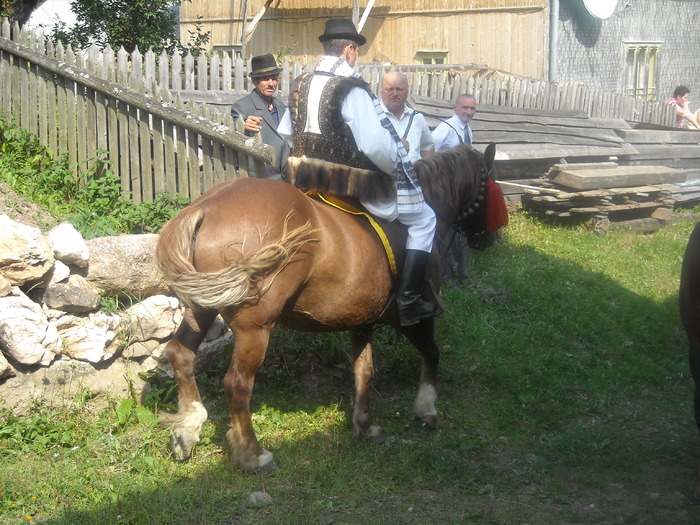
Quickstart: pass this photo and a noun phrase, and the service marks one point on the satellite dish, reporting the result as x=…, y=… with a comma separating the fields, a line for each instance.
x=600, y=8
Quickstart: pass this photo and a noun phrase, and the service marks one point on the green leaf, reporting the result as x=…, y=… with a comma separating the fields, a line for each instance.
x=145, y=416
x=124, y=410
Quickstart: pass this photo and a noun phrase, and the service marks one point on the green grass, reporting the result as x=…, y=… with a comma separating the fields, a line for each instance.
x=564, y=397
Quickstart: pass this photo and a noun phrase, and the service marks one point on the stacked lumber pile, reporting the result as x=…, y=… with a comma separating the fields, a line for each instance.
x=677, y=148
x=606, y=194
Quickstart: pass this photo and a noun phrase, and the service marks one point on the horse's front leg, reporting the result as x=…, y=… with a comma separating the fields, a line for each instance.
x=181, y=352
x=363, y=427
x=422, y=337
x=248, y=354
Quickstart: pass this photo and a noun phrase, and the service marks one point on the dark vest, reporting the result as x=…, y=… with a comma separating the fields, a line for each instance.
x=335, y=143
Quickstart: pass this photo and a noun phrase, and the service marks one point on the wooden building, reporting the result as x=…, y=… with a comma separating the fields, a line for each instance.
x=508, y=35
x=643, y=48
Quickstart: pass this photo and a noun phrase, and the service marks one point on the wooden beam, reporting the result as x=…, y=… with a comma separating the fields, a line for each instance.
x=365, y=14
x=256, y=19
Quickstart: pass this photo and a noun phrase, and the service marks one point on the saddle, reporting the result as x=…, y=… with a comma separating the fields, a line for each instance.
x=343, y=187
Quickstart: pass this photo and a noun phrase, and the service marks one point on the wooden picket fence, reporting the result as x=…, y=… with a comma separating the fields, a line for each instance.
x=82, y=105
x=212, y=78
x=163, y=123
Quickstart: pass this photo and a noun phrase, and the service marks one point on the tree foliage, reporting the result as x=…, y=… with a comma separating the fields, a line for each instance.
x=129, y=23
x=18, y=10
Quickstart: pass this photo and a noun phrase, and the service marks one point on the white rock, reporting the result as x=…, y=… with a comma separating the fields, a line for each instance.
x=26, y=334
x=155, y=317
x=68, y=245
x=6, y=369
x=91, y=338
x=25, y=254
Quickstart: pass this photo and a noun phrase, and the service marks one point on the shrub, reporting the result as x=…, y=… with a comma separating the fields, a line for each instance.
x=88, y=194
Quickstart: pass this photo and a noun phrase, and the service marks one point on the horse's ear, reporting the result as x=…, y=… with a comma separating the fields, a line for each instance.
x=490, y=155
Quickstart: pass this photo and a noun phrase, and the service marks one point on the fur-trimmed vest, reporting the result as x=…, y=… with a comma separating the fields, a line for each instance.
x=330, y=161
x=335, y=143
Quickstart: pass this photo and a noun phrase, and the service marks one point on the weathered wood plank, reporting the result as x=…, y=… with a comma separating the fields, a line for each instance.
x=193, y=171
x=583, y=166
x=671, y=136
x=207, y=151
x=134, y=158
x=145, y=157
x=550, y=137
x=183, y=177
x=113, y=133
x=438, y=104
x=91, y=122
x=522, y=152
x=667, y=151
x=623, y=176
x=159, y=164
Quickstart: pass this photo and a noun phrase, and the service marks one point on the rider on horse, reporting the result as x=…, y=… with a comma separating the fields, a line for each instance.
x=334, y=116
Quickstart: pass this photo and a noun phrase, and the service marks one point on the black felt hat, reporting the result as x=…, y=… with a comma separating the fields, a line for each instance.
x=342, y=29
x=264, y=66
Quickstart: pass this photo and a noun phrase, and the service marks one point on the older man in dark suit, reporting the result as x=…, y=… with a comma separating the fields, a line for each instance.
x=261, y=111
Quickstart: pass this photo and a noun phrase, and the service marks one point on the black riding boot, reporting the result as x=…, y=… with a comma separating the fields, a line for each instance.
x=412, y=307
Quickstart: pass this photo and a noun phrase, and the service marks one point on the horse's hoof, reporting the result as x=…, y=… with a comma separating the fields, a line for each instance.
x=376, y=435
x=263, y=464
x=266, y=462
x=427, y=422
x=181, y=446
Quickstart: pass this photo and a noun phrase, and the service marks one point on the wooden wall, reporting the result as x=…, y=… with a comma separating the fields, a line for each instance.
x=509, y=35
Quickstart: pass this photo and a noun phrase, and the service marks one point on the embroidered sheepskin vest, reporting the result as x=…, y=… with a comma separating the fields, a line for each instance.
x=335, y=143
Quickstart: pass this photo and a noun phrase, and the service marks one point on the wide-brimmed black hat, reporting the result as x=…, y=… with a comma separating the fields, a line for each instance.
x=342, y=29
x=264, y=66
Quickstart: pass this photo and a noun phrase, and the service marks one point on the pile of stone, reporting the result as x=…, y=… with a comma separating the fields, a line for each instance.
x=55, y=335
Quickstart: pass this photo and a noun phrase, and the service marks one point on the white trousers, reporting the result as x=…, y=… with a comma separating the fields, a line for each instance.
x=421, y=229
x=421, y=225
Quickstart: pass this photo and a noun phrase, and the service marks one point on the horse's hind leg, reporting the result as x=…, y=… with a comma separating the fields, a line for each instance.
x=363, y=427
x=248, y=354
x=181, y=352
x=689, y=305
x=691, y=318
x=422, y=337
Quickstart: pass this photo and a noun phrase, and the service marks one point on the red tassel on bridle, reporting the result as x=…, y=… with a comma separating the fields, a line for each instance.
x=496, y=211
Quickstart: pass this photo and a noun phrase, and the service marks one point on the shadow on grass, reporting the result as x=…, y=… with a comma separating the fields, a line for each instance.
x=564, y=398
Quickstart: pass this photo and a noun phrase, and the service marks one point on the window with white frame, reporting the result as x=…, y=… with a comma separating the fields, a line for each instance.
x=431, y=57
x=641, y=69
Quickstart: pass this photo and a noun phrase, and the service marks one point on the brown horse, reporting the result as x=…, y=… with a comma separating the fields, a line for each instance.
x=260, y=252
x=689, y=302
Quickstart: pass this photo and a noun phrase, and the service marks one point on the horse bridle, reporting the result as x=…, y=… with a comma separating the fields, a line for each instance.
x=470, y=208
x=458, y=231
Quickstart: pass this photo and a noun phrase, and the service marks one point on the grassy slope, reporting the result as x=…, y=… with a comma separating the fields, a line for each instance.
x=564, y=398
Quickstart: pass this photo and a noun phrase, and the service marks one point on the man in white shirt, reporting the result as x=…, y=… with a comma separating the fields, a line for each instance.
x=449, y=134
x=455, y=130
x=408, y=123
x=333, y=116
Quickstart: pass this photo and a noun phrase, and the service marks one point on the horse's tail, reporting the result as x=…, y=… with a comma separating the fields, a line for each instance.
x=233, y=285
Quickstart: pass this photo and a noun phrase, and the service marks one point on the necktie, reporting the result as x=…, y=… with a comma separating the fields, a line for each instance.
x=467, y=138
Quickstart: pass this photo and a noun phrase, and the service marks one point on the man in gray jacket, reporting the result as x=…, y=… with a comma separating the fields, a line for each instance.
x=261, y=111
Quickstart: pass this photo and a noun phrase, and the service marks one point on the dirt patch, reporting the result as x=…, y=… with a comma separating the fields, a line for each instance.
x=22, y=210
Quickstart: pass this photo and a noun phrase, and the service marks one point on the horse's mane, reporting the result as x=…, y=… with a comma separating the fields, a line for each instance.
x=450, y=179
